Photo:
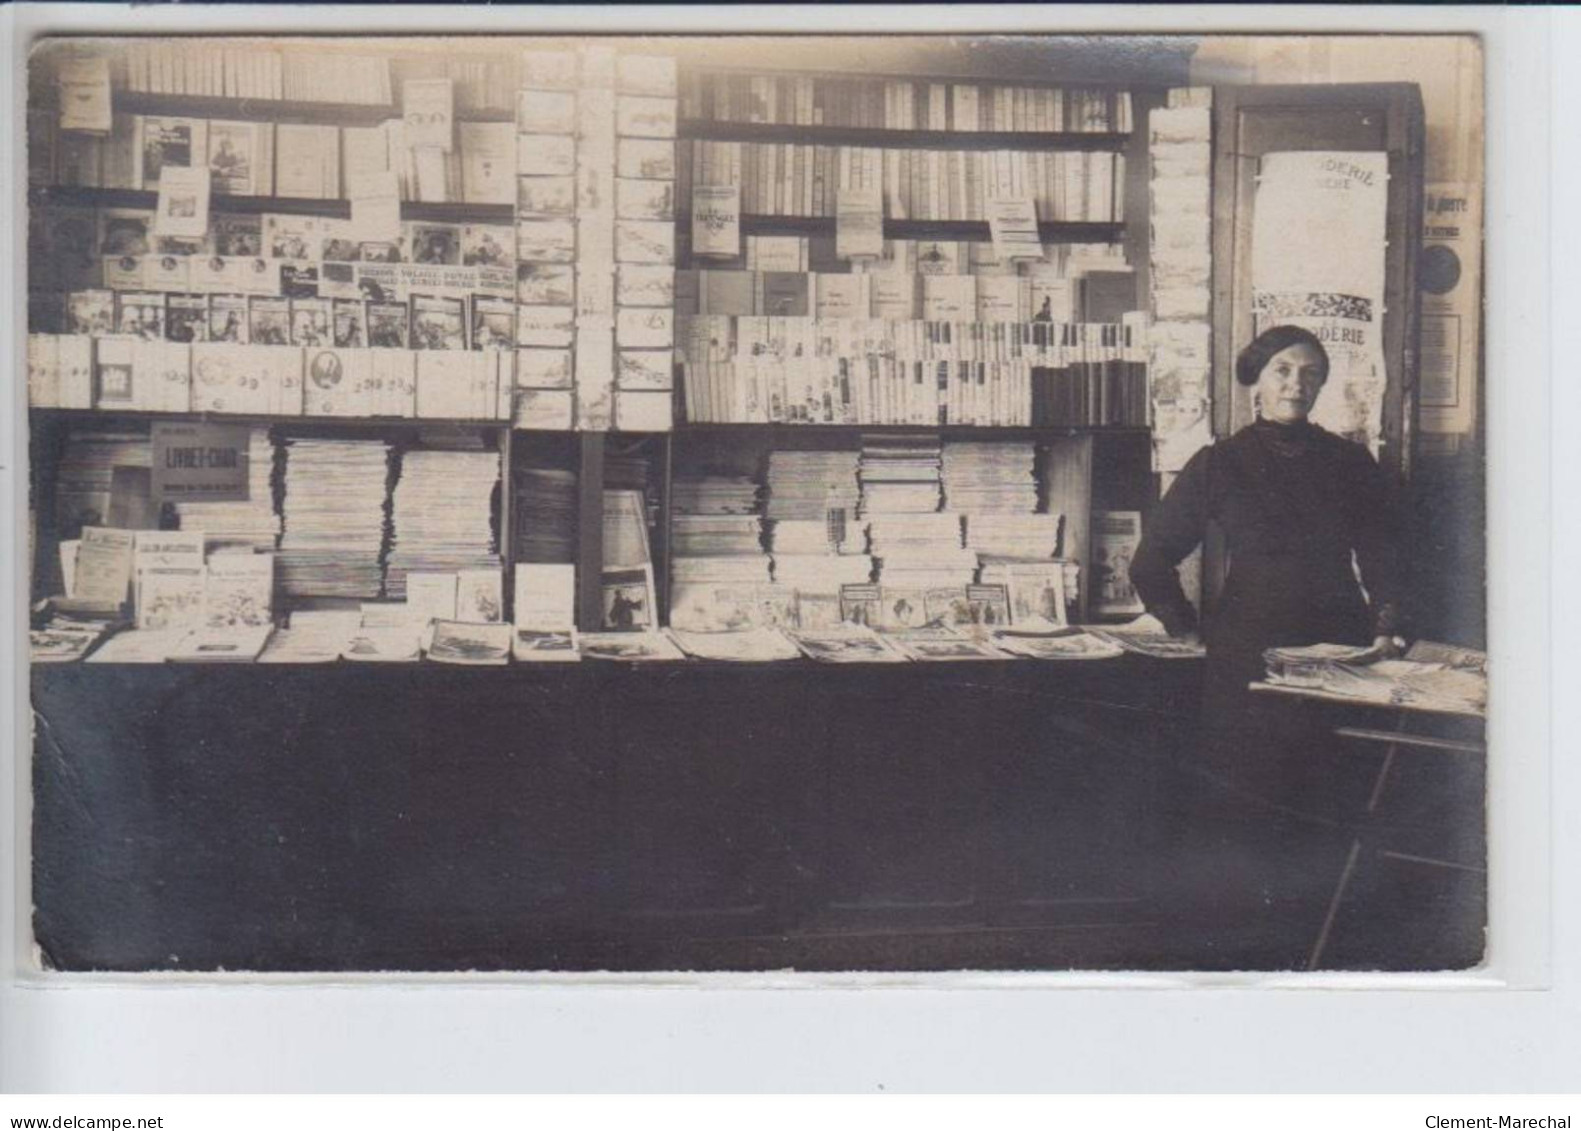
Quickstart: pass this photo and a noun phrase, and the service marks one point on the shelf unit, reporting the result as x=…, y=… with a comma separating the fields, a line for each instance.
x=1074, y=457
x=1080, y=453
x=453, y=212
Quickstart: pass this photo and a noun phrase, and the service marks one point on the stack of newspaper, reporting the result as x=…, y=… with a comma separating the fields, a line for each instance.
x=334, y=521
x=809, y=486
x=990, y=478
x=1431, y=676
x=544, y=519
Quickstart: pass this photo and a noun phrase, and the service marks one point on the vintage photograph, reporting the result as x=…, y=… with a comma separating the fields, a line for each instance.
x=1018, y=502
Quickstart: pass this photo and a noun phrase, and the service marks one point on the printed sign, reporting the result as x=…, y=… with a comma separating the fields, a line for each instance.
x=197, y=462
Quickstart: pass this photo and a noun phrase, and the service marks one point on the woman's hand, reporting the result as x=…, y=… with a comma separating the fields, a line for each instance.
x=1388, y=647
x=1148, y=624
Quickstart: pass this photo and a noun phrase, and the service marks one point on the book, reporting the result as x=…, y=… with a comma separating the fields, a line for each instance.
x=438, y=323
x=83, y=83
x=455, y=642
x=716, y=223
x=493, y=325
x=851, y=644
x=750, y=645
x=90, y=312
x=103, y=574
x=140, y=646
x=383, y=645
x=231, y=645
x=389, y=325
x=628, y=602
x=121, y=231
x=859, y=223
x=238, y=589
x=539, y=645
x=941, y=644
x=174, y=142
x=240, y=159
x=141, y=314
x=635, y=647
x=310, y=322
x=183, y=208
x=269, y=321
x=1117, y=536
x=431, y=597
x=544, y=596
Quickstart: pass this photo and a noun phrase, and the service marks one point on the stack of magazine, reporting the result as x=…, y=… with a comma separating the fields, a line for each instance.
x=442, y=514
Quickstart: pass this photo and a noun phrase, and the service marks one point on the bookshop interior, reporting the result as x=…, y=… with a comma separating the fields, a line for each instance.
x=709, y=504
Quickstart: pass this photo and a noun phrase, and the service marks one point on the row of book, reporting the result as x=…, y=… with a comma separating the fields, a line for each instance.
x=766, y=339
x=127, y=374
x=226, y=69
x=426, y=322
x=221, y=68
x=330, y=635
x=292, y=160
x=903, y=104
x=83, y=238
x=885, y=391
x=1040, y=298
x=789, y=179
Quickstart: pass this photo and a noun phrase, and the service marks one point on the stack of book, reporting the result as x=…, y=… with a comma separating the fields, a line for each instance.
x=442, y=514
x=334, y=538
x=252, y=522
x=544, y=517
x=717, y=518
x=900, y=474
x=982, y=477
x=89, y=469
x=815, y=541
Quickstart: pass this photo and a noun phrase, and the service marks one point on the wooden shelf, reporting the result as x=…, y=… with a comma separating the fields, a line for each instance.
x=74, y=196
x=953, y=431
x=253, y=109
x=707, y=129
x=270, y=419
x=970, y=231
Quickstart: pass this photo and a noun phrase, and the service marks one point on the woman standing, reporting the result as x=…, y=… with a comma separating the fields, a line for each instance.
x=1302, y=512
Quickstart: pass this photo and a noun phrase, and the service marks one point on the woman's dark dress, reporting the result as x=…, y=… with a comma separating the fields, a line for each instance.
x=1293, y=503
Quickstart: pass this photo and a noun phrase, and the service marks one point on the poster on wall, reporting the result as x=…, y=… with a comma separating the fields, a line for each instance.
x=1450, y=276
x=1318, y=239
